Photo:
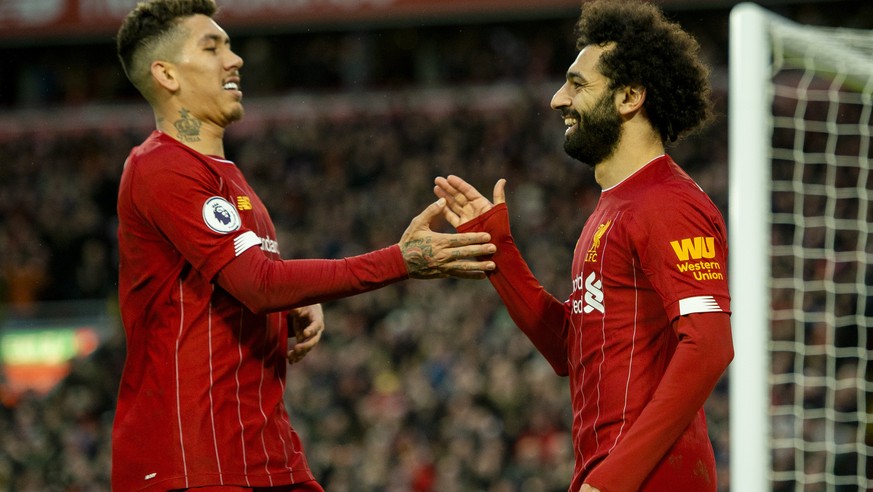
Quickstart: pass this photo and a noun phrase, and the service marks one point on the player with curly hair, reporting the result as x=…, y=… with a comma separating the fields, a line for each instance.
x=645, y=334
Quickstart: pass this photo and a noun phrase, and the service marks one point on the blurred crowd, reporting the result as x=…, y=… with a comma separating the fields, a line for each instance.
x=421, y=386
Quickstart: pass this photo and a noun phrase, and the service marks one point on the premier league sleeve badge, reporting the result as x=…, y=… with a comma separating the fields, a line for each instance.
x=220, y=215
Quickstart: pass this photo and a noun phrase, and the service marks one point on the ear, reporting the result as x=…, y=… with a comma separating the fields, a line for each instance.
x=630, y=99
x=164, y=75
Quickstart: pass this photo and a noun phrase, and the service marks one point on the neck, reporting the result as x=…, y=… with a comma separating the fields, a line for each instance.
x=206, y=138
x=633, y=152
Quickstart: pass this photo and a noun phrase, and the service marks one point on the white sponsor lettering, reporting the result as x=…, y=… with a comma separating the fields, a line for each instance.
x=593, y=294
x=269, y=245
x=593, y=297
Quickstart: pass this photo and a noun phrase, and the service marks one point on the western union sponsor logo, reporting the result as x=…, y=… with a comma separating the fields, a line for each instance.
x=701, y=266
x=696, y=248
x=702, y=270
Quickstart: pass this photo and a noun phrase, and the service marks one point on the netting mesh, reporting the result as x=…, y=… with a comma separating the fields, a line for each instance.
x=822, y=260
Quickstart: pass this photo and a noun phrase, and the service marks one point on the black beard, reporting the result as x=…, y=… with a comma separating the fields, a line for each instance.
x=597, y=133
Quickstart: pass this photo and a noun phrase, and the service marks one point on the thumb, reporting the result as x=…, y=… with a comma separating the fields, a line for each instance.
x=432, y=211
x=500, y=192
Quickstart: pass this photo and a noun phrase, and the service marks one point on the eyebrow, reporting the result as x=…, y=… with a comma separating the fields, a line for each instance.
x=214, y=37
x=576, y=75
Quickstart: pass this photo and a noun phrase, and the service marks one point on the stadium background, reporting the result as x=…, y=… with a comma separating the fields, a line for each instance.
x=352, y=108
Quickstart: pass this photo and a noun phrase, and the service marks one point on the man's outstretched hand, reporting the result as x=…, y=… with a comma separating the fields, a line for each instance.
x=430, y=254
x=464, y=202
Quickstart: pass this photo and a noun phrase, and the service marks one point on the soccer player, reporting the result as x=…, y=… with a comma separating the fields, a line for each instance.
x=212, y=315
x=645, y=334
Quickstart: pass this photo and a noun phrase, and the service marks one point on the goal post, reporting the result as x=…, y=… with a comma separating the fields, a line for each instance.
x=801, y=258
x=748, y=239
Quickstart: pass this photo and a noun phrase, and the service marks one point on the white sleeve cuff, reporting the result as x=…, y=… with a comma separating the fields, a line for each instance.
x=245, y=241
x=698, y=304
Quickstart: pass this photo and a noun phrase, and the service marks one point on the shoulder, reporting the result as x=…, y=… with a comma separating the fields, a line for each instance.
x=161, y=159
x=159, y=152
x=669, y=191
x=672, y=204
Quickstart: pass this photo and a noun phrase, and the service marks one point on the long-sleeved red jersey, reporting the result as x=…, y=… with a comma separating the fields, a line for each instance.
x=201, y=396
x=645, y=334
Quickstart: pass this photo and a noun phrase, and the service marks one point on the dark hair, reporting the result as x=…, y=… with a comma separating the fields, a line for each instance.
x=652, y=52
x=150, y=23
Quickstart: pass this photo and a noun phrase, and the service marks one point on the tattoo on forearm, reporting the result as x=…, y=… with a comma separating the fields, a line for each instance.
x=188, y=127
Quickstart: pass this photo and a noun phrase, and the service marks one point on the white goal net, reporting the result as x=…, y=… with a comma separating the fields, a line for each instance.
x=801, y=206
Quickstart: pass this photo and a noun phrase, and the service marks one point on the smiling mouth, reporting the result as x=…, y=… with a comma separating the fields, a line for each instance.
x=570, y=122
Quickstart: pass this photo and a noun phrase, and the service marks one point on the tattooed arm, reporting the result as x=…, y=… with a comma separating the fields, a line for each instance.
x=430, y=254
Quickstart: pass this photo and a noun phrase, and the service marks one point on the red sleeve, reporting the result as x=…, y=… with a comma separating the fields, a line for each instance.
x=185, y=184
x=536, y=312
x=265, y=285
x=705, y=349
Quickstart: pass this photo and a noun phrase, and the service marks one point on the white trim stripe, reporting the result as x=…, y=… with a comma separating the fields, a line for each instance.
x=245, y=241
x=242, y=427
x=698, y=304
x=211, y=398
x=178, y=380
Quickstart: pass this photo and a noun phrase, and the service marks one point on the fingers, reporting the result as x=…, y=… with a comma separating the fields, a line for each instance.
x=464, y=202
x=307, y=339
x=465, y=269
x=463, y=189
x=441, y=255
x=452, y=217
x=307, y=324
x=500, y=191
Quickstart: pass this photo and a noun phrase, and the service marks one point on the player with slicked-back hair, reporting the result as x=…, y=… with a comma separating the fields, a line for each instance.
x=212, y=314
x=645, y=334
x=152, y=31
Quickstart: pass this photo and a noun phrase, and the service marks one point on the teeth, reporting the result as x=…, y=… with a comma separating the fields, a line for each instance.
x=570, y=121
x=233, y=86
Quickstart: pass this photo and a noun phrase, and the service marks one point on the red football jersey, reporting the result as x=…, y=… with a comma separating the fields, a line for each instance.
x=201, y=395
x=651, y=258
x=653, y=249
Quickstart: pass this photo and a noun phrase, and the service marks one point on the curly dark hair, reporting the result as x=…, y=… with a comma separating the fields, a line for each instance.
x=147, y=27
x=652, y=52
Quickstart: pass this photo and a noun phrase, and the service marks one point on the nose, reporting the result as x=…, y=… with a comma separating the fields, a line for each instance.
x=235, y=61
x=561, y=99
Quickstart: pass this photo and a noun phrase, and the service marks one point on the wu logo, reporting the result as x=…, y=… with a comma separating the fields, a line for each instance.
x=593, y=294
x=694, y=248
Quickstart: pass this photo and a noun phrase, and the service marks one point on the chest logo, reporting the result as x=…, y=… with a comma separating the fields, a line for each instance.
x=593, y=298
x=220, y=215
x=591, y=255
